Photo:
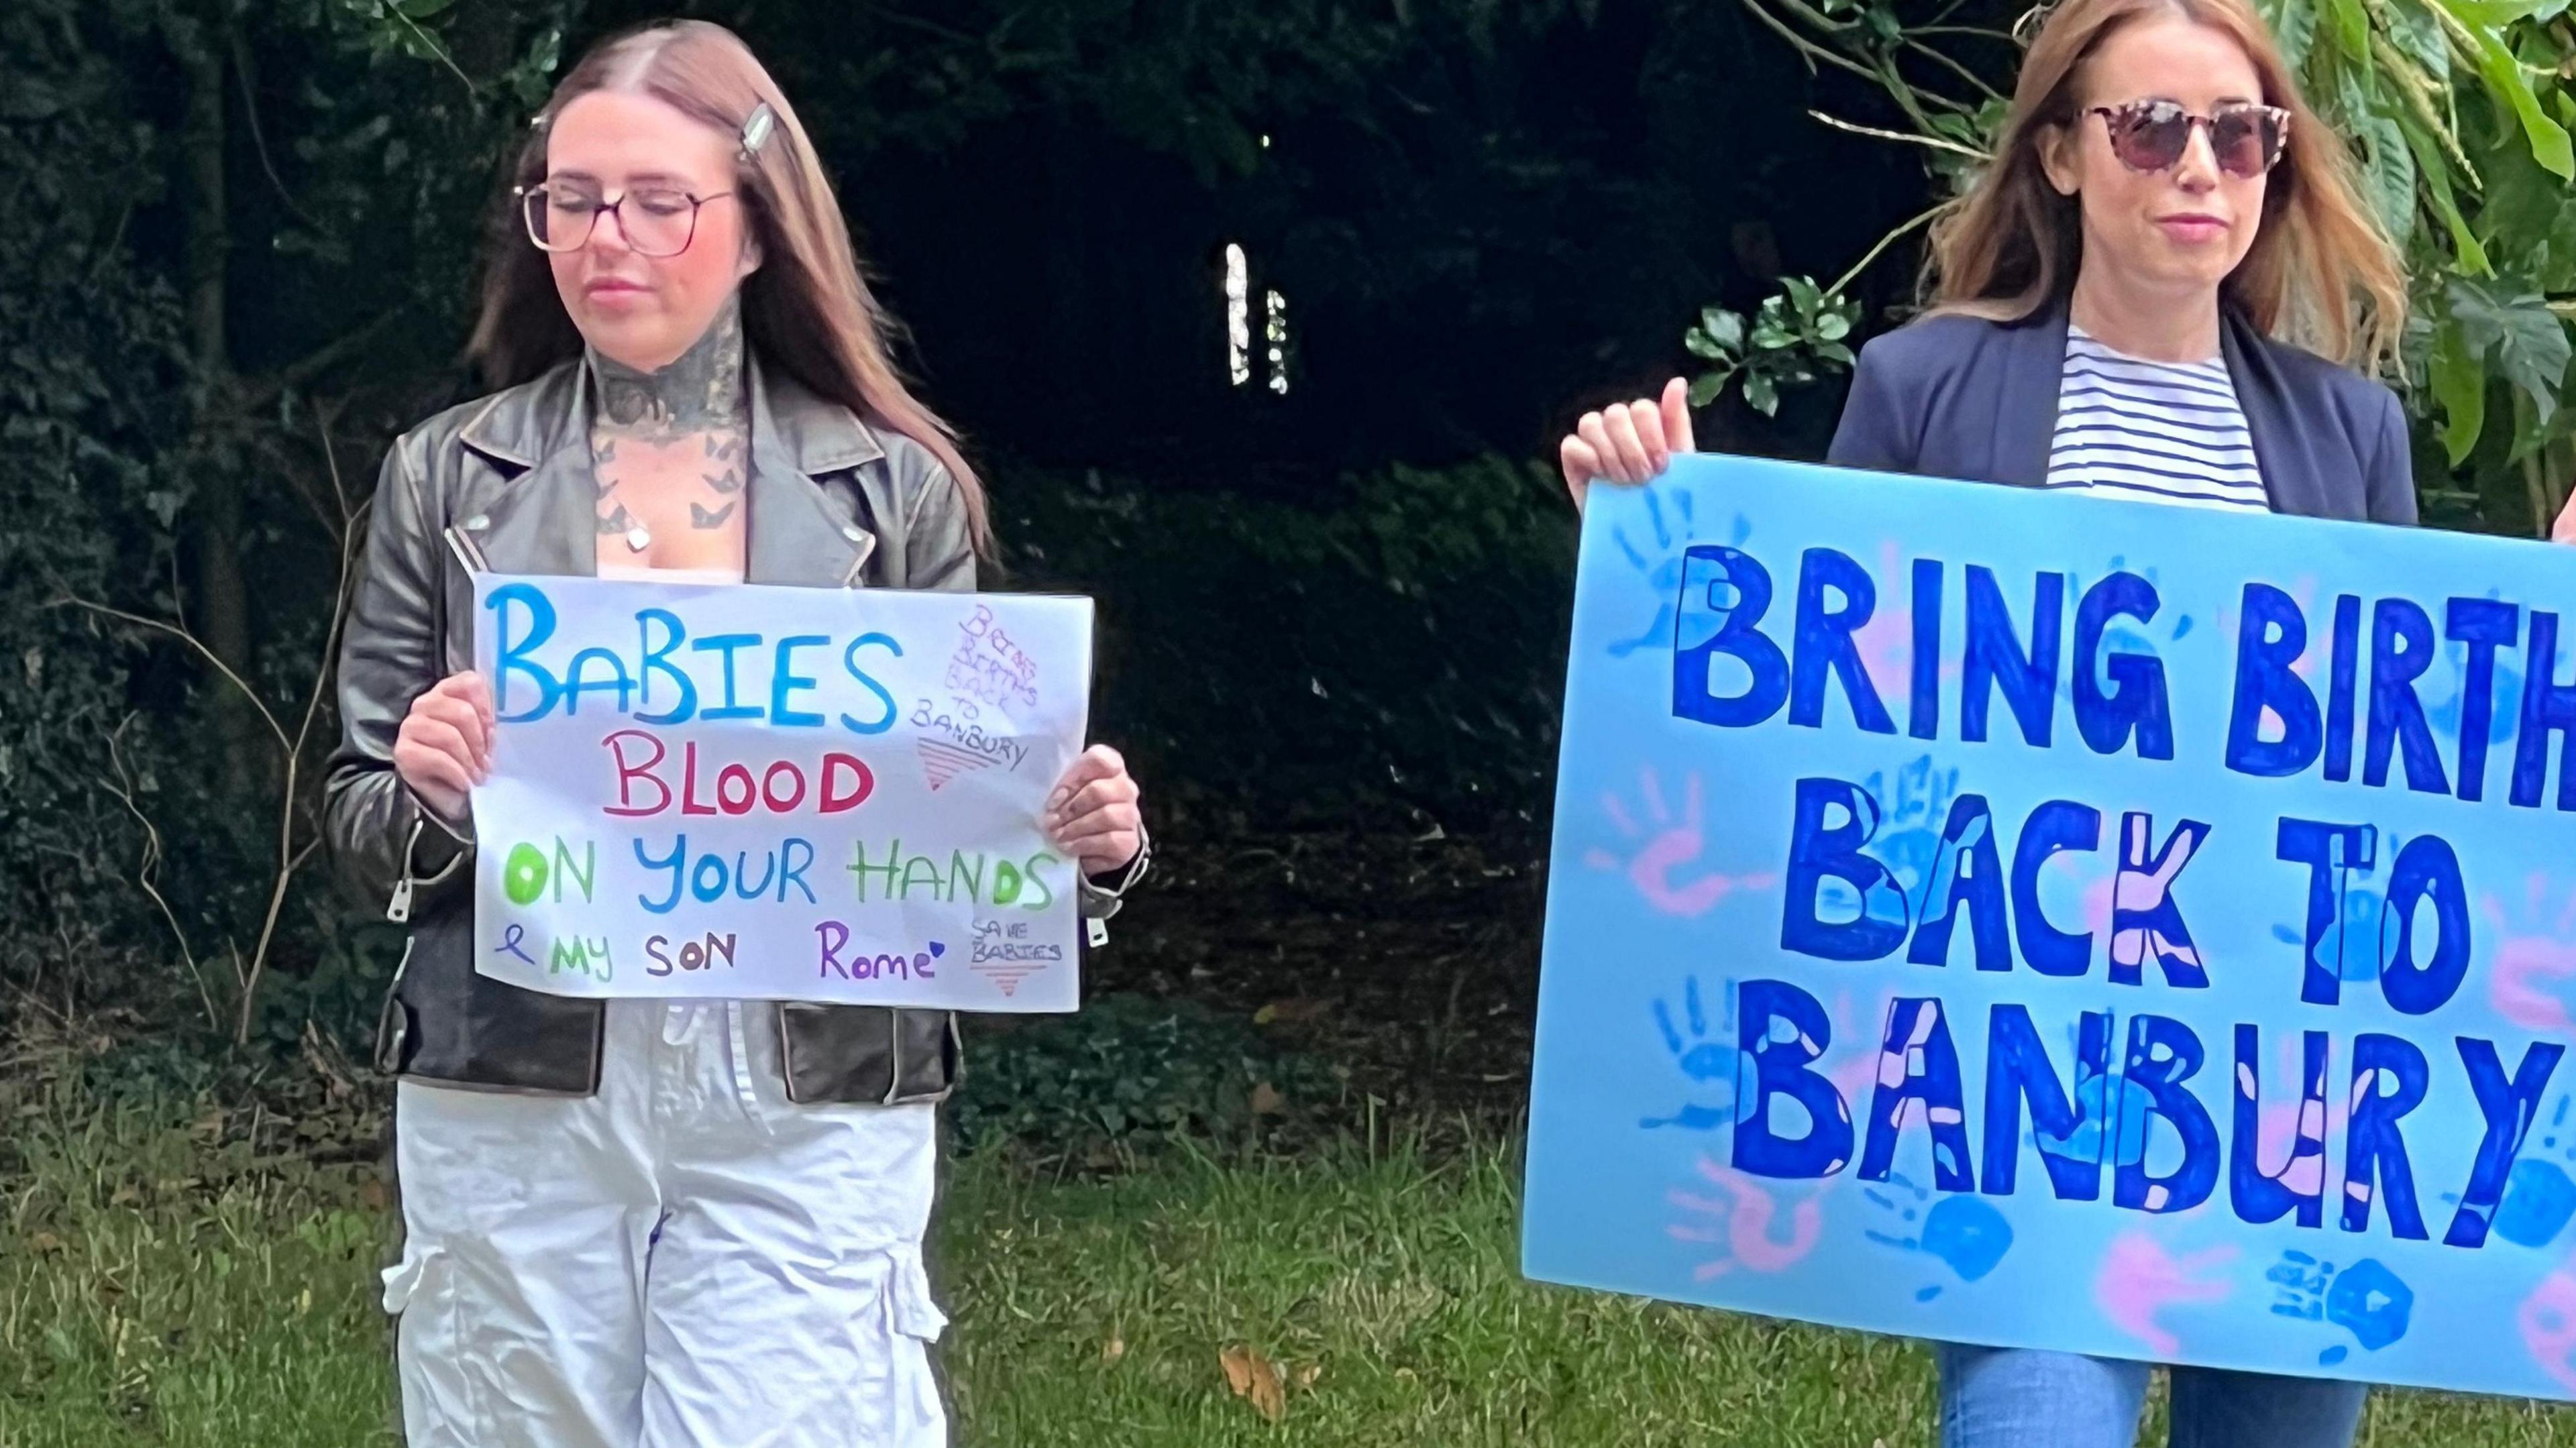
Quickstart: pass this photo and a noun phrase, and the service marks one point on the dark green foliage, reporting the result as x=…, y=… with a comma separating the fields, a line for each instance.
x=1131, y=1073
x=1283, y=660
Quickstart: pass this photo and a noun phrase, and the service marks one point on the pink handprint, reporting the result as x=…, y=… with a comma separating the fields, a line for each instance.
x=2548, y=1322
x=1748, y=1212
x=2534, y=961
x=2139, y=1279
x=1665, y=847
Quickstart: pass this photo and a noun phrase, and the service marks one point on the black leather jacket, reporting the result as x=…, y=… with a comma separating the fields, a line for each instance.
x=504, y=484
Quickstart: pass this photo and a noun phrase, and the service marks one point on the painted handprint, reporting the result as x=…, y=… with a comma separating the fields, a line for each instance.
x=1664, y=863
x=2504, y=696
x=2140, y=1279
x=2357, y=944
x=2365, y=1299
x=1962, y=1231
x=2124, y=634
x=2146, y=924
x=1909, y=840
x=1708, y=1063
x=2539, y=1195
x=1740, y=1214
x=2547, y=1319
x=2535, y=957
x=1657, y=558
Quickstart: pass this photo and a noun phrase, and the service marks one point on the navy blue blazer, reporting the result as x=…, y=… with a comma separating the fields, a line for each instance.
x=1963, y=397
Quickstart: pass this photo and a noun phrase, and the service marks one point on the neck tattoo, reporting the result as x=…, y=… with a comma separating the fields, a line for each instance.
x=699, y=391
x=698, y=396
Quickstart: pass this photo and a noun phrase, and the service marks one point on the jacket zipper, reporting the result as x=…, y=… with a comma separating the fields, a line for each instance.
x=398, y=909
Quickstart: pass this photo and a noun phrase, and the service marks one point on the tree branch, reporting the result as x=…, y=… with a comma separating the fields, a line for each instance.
x=192, y=641
x=1937, y=143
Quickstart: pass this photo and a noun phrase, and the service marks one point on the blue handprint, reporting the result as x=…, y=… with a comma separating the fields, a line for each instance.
x=1907, y=840
x=2505, y=696
x=1709, y=1063
x=2539, y=1197
x=2365, y=1299
x=1659, y=562
x=2126, y=635
x=1962, y=1230
x=2359, y=944
x=2128, y=1144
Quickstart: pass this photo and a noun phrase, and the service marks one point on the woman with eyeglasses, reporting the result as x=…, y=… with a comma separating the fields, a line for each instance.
x=643, y=1222
x=2111, y=302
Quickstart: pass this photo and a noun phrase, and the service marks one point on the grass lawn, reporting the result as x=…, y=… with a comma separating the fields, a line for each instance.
x=158, y=1286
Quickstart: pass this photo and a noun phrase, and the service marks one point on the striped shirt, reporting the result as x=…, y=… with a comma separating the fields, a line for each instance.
x=2167, y=432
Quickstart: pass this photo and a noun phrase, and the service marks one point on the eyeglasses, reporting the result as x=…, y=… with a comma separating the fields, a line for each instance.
x=2246, y=138
x=663, y=223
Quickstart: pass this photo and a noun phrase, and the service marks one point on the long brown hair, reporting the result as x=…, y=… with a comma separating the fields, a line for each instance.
x=807, y=309
x=2319, y=268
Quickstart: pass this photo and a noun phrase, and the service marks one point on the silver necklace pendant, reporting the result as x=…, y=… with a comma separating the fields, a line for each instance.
x=637, y=539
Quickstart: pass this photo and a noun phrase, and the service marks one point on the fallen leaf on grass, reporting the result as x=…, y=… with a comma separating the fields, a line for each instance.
x=1306, y=1375
x=1266, y=1100
x=1114, y=1349
x=1253, y=1377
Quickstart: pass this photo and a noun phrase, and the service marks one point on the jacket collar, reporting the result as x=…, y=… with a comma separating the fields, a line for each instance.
x=543, y=520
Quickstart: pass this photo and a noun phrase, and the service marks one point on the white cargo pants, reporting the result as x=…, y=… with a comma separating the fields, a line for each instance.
x=684, y=1260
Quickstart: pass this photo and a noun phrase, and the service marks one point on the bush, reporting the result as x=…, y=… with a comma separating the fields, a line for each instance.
x=1128, y=1073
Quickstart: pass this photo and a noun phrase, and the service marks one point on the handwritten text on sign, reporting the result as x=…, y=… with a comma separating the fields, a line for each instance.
x=790, y=793
x=2052, y=921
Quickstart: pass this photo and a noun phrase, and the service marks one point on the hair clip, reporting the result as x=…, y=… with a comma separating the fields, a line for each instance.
x=756, y=129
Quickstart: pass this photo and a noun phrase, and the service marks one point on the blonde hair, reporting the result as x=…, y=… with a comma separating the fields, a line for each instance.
x=2320, y=266
x=807, y=310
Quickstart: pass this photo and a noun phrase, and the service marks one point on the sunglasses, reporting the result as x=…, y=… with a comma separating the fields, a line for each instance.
x=2152, y=135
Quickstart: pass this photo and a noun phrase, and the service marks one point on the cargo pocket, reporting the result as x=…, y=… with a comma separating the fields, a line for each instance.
x=439, y=1405
x=913, y=1413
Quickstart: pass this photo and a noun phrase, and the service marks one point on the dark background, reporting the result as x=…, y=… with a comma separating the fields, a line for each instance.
x=237, y=248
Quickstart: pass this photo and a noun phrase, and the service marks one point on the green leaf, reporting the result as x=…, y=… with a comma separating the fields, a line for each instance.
x=2388, y=167
x=2526, y=340
x=2294, y=25
x=2435, y=170
x=2511, y=88
x=1804, y=294
x=2352, y=32
x=1833, y=326
x=2493, y=14
x=2459, y=382
x=1723, y=327
x=1762, y=393
x=1705, y=387
x=421, y=9
x=1701, y=344
x=2417, y=31
x=1836, y=352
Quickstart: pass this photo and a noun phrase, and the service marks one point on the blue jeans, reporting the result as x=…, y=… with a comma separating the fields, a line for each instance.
x=2021, y=1398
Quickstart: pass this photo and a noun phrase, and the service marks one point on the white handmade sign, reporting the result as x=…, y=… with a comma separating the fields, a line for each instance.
x=782, y=793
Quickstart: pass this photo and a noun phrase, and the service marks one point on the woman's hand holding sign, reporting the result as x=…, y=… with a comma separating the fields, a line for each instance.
x=1628, y=442
x=444, y=747
x=1092, y=813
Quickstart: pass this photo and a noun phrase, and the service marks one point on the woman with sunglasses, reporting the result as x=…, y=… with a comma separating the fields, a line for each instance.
x=639, y=1222
x=2109, y=301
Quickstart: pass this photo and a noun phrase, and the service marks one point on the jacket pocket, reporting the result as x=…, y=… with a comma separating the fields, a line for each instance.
x=866, y=1055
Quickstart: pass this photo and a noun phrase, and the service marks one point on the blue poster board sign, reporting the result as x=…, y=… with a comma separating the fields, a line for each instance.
x=2046, y=920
